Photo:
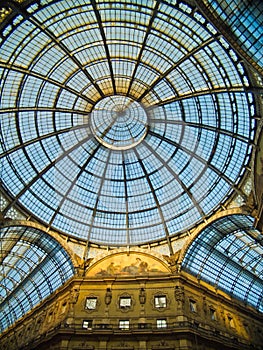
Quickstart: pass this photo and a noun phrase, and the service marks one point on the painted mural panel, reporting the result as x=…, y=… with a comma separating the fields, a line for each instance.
x=128, y=264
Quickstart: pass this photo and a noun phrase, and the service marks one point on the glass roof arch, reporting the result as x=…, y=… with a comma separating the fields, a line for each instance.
x=33, y=266
x=122, y=123
x=245, y=21
x=228, y=254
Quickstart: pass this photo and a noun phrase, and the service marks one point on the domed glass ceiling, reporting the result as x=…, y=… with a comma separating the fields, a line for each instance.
x=121, y=122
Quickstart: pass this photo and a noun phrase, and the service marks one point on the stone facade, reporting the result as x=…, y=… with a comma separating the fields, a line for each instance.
x=157, y=309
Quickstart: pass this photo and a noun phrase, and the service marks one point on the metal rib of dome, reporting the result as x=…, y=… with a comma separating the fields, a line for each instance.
x=122, y=122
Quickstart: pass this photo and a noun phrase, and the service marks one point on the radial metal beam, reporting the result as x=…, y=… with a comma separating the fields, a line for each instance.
x=104, y=39
x=196, y=156
x=73, y=183
x=166, y=231
x=27, y=72
x=149, y=28
x=43, y=109
x=176, y=176
x=126, y=200
x=85, y=254
x=23, y=144
x=206, y=8
x=215, y=129
x=224, y=90
x=63, y=47
x=44, y=170
x=174, y=66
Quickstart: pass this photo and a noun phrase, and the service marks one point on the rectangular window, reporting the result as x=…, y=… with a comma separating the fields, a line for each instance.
x=193, y=307
x=161, y=323
x=231, y=322
x=142, y=325
x=124, y=324
x=103, y=326
x=91, y=303
x=160, y=301
x=87, y=324
x=125, y=302
x=212, y=314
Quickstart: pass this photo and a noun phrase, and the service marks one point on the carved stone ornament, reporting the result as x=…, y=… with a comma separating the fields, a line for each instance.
x=142, y=296
x=108, y=296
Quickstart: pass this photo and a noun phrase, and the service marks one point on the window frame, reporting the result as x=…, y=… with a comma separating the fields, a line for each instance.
x=123, y=299
x=158, y=303
x=91, y=298
x=212, y=314
x=87, y=324
x=124, y=325
x=193, y=306
x=161, y=323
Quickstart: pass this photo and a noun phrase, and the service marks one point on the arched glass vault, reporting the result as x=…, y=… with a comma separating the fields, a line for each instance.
x=33, y=266
x=245, y=20
x=122, y=123
x=228, y=254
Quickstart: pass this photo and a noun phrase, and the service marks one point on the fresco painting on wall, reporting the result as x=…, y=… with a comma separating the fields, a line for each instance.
x=132, y=264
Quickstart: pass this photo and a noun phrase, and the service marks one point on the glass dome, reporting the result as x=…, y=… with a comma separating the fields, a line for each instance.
x=121, y=122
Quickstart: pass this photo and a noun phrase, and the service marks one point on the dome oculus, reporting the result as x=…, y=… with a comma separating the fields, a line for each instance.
x=119, y=122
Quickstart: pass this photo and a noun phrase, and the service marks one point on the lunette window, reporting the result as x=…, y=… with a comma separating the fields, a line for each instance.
x=232, y=246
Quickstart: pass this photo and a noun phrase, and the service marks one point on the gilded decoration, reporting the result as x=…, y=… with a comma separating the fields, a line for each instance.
x=4, y=12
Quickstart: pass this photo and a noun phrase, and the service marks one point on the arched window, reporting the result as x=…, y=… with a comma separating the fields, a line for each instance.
x=245, y=19
x=33, y=265
x=228, y=254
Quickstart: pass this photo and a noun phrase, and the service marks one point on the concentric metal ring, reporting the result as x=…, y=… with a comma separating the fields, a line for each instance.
x=118, y=122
